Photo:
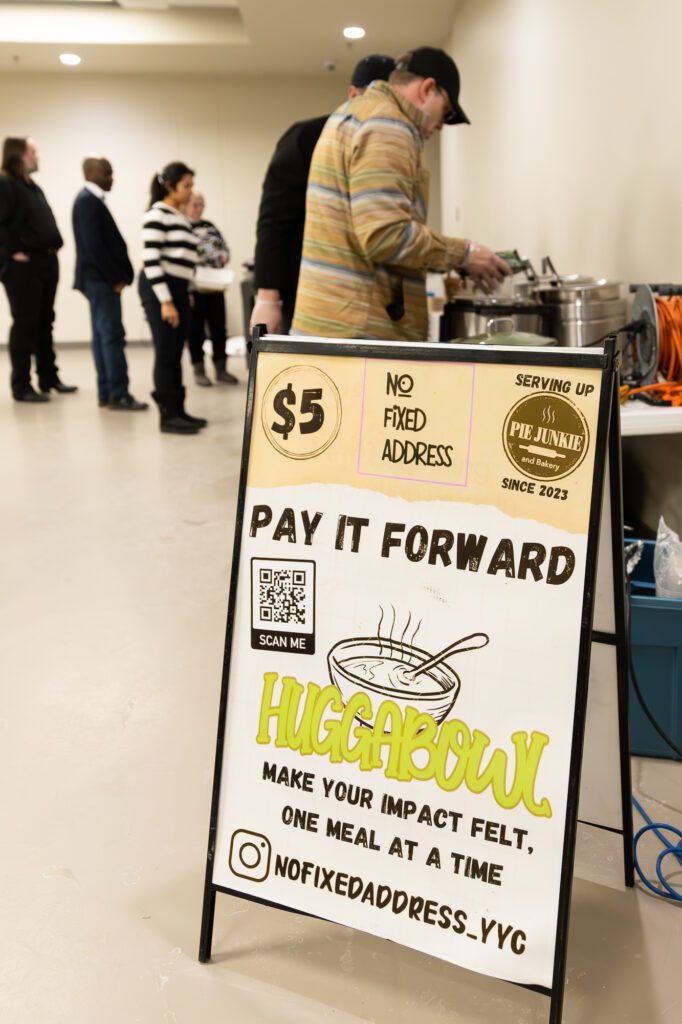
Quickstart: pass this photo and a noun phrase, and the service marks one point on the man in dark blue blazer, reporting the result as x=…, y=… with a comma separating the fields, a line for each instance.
x=102, y=272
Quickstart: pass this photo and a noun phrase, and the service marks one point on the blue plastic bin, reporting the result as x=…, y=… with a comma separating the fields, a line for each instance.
x=656, y=639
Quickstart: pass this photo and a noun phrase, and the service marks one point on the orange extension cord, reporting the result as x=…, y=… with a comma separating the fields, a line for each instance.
x=668, y=390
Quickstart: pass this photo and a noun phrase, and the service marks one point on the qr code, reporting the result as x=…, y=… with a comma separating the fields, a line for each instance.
x=282, y=595
x=282, y=600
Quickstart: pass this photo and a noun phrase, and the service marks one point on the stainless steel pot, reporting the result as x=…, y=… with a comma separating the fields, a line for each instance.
x=579, y=333
x=468, y=318
x=583, y=309
x=573, y=288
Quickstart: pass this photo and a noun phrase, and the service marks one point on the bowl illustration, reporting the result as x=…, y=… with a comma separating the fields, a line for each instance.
x=390, y=670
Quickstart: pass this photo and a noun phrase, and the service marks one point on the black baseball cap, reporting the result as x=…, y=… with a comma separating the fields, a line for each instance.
x=428, y=62
x=369, y=69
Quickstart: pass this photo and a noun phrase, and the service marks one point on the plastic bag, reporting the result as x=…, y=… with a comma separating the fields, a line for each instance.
x=668, y=562
x=212, y=279
x=633, y=556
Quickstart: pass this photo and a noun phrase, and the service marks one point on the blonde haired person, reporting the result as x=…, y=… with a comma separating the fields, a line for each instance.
x=208, y=317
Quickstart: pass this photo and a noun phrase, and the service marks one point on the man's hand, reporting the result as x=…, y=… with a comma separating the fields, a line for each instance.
x=118, y=288
x=21, y=257
x=267, y=310
x=484, y=266
x=170, y=314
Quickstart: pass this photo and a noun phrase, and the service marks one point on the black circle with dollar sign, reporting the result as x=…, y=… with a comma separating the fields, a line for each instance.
x=301, y=412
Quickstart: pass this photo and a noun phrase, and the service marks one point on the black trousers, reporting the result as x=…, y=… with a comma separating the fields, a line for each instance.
x=168, y=341
x=207, y=314
x=31, y=288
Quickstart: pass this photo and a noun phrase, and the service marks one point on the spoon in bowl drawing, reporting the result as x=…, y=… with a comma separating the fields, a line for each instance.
x=455, y=648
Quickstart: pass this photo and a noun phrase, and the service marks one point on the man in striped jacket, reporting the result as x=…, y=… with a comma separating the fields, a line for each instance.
x=366, y=248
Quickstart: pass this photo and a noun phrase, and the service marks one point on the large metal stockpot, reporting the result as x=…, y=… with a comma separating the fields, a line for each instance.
x=469, y=317
x=582, y=309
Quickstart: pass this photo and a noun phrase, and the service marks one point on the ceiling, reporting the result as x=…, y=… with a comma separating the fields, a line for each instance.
x=263, y=37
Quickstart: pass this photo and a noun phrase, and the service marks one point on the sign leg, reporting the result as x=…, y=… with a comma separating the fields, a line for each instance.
x=556, y=1005
x=620, y=608
x=207, y=915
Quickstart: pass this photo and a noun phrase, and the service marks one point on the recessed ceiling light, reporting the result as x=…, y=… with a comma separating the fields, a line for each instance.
x=69, y=58
x=354, y=32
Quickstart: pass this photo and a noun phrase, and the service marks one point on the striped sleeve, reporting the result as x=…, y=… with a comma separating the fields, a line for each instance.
x=153, y=238
x=170, y=248
x=382, y=174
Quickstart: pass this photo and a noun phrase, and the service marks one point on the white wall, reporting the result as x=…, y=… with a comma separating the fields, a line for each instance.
x=575, y=147
x=225, y=128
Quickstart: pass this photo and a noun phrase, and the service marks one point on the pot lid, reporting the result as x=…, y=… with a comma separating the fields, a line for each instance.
x=574, y=288
x=497, y=307
x=500, y=331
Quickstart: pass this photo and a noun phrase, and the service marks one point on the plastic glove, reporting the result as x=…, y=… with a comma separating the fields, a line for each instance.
x=268, y=312
x=485, y=266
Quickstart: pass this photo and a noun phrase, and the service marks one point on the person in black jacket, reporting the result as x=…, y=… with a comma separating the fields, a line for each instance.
x=29, y=268
x=281, y=217
x=102, y=272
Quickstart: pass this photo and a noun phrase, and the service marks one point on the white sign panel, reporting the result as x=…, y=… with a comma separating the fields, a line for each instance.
x=405, y=648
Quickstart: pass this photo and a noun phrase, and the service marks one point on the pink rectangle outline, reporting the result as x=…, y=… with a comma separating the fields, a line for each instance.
x=416, y=480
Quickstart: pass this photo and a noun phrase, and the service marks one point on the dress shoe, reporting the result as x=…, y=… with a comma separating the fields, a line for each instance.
x=62, y=389
x=196, y=421
x=170, y=407
x=177, y=425
x=127, y=404
x=103, y=402
x=29, y=395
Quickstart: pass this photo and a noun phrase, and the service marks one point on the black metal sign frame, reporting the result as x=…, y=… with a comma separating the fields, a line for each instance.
x=618, y=639
x=606, y=447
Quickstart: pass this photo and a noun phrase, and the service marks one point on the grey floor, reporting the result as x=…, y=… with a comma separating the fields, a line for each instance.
x=115, y=561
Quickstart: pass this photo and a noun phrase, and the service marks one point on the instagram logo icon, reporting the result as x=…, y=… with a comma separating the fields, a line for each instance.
x=250, y=855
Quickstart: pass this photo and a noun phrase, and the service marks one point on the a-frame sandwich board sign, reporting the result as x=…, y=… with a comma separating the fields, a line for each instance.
x=408, y=645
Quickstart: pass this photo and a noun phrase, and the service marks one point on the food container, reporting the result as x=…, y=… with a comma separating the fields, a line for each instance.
x=580, y=332
x=656, y=640
x=575, y=309
x=583, y=310
x=469, y=317
x=585, y=290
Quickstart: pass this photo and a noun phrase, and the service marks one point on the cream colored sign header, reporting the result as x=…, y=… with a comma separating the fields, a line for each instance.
x=519, y=438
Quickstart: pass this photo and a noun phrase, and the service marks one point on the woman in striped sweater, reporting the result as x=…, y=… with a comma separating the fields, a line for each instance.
x=170, y=254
